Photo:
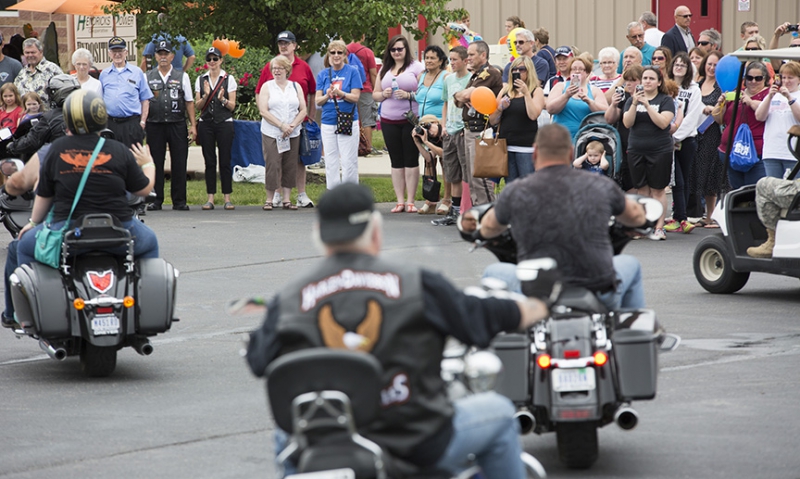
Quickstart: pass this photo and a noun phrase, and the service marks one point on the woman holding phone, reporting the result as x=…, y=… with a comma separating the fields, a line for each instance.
x=570, y=101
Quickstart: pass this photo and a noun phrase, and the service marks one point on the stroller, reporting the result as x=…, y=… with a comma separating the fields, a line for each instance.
x=595, y=128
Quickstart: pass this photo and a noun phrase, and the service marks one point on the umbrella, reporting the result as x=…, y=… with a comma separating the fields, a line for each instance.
x=89, y=8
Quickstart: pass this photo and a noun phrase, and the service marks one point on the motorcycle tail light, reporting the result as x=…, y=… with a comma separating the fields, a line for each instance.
x=79, y=304
x=600, y=358
x=543, y=361
x=104, y=310
x=572, y=354
x=128, y=301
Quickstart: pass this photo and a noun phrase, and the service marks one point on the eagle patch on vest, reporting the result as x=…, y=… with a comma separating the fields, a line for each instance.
x=365, y=337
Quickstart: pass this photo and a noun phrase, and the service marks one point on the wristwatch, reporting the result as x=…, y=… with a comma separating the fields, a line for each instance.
x=791, y=102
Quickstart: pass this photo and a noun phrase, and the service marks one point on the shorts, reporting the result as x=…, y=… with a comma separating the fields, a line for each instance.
x=367, y=113
x=653, y=170
x=454, y=160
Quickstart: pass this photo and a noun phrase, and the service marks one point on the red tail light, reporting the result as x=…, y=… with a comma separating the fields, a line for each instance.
x=600, y=358
x=572, y=354
x=104, y=310
x=543, y=361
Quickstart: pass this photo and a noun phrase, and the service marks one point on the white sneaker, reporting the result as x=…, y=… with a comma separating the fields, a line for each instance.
x=276, y=199
x=658, y=235
x=303, y=201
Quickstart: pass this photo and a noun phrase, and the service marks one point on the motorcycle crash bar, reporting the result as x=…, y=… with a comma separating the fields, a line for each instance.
x=59, y=353
x=626, y=418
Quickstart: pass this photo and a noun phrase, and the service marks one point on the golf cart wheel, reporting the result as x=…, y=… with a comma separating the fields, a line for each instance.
x=713, y=267
x=97, y=361
x=577, y=444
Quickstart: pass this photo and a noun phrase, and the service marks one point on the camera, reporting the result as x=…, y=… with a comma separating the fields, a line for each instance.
x=639, y=88
x=619, y=90
x=420, y=129
x=792, y=28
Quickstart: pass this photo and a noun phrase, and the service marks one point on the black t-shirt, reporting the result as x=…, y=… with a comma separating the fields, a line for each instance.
x=515, y=125
x=645, y=136
x=563, y=213
x=620, y=126
x=114, y=172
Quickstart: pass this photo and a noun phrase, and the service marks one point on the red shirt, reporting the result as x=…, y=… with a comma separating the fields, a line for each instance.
x=11, y=118
x=749, y=116
x=367, y=58
x=301, y=73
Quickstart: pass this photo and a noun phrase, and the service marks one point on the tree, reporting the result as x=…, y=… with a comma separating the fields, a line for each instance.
x=258, y=22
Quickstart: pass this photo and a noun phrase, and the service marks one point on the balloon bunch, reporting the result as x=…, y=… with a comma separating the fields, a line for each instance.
x=228, y=47
x=459, y=35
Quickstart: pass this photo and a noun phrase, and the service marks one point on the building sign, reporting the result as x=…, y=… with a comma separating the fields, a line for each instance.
x=93, y=33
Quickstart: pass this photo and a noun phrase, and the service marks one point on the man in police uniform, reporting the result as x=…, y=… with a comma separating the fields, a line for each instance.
x=401, y=314
x=166, y=124
x=125, y=94
x=483, y=74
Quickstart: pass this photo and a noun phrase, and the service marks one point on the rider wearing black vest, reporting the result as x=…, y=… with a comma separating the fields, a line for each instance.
x=166, y=125
x=401, y=314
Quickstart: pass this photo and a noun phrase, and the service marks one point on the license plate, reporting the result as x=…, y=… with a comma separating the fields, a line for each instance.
x=105, y=324
x=566, y=380
x=332, y=474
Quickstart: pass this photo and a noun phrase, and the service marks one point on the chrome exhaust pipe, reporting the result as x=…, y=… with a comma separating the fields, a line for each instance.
x=626, y=418
x=142, y=346
x=526, y=421
x=59, y=353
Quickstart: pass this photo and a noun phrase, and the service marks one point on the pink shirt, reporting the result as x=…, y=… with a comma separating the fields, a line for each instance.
x=395, y=109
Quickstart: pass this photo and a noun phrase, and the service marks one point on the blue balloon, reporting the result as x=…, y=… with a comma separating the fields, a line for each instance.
x=728, y=73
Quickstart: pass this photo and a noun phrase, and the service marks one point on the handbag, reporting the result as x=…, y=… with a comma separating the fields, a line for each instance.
x=305, y=142
x=743, y=153
x=363, y=147
x=412, y=117
x=344, y=120
x=314, y=136
x=491, y=157
x=48, y=241
x=430, y=185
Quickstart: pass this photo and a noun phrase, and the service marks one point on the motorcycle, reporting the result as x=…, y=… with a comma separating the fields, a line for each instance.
x=579, y=369
x=323, y=396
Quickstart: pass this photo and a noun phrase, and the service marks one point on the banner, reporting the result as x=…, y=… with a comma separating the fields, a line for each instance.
x=93, y=33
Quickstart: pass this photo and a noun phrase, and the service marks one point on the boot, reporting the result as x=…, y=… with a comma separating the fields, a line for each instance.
x=764, y=250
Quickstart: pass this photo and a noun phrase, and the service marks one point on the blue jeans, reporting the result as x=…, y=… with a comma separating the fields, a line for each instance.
x=776, y=168
x=519, y=165
x=737, y=179
x=629, y=293
x=483, y=427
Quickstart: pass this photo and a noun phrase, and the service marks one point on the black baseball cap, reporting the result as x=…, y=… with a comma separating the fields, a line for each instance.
x=564, y=51
x=117, y=42
x=213, y=51
x=344, y=212
x=286, y=36
x=163, y=46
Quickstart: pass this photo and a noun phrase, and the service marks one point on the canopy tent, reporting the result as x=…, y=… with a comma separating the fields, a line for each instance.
x=89, y=8
x=791, y=53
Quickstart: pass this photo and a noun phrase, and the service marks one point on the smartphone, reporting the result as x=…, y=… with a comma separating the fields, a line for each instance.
x=514, y=77
x=576, y=79
x=777, y=81
x=639, y=88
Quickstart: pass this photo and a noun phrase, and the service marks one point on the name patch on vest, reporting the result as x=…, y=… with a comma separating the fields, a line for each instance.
x=348, y=280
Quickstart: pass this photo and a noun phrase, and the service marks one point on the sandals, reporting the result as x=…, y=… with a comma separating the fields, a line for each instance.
x=229, y=206
x=444, y=207
x=427, y=209
x=208, y=206
x=267, y=206
x=410, y=208
x=399, y=208
x=287, y=205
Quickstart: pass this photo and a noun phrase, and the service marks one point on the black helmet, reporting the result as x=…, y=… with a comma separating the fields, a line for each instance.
x=60, y=87
x=84, y=112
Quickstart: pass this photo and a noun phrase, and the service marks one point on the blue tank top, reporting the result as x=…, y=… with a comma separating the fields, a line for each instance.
x=574, y=112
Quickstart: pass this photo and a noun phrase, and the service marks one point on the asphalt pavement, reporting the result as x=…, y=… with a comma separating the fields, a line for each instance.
x=727, y=403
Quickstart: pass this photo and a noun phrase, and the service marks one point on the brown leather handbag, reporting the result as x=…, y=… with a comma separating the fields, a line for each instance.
x=491, y=157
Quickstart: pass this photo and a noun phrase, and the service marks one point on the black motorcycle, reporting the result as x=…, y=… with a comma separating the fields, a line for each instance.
x=581, y=368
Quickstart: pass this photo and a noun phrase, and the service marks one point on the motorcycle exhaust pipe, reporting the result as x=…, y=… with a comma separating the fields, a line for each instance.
x=59, y=353
x=626, y=418
x=526, y=421
x=142, y=346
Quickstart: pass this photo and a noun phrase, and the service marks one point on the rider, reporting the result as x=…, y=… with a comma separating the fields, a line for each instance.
x=51, y=124
x=116, y=169
x=407, y=312
x=563, y=213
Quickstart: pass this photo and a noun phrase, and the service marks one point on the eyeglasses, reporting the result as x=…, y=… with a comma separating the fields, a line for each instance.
x=337, y=52
x=795, y=45
x=688, y=15
x=276, y=68
x=212, y=59
x=397, y=50
x=519, y=42
x=607, y=63
x=754, y=78
x=750, y=49
x=679, y=65
x=659, y=59
x=519, y=69
x=641, y=35
x=704, y=43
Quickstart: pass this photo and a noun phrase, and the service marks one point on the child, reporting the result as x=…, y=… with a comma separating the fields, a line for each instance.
x=33, y=105
x=12, y=107
x=594, y=159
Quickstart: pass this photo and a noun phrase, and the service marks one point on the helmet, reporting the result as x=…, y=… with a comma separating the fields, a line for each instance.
x=84, y=112
x=60, y=87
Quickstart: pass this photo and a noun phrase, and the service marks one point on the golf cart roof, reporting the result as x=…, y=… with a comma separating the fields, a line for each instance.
x=789, y=53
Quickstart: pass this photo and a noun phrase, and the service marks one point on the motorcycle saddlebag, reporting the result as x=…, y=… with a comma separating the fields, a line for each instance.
x=514, y=350
x=155, y=295
x=40, y=300
x=635, y=349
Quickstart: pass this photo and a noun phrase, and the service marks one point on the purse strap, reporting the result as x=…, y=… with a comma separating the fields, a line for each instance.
x=83, y=179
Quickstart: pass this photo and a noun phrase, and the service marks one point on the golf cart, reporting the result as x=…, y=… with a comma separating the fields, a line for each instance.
x=721, y=264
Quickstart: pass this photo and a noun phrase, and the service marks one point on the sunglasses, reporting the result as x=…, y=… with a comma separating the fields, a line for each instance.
x=688, y=15
x=659, y=59
x=212, y=59
x=397, y=50
x=337, y=52
x=519, y=42
x=704, y=43
x=752, y=49
x=754, y=78
x=519, y=69
x=795, y=45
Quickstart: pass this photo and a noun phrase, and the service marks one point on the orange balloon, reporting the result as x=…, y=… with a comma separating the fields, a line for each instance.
x=221, y=45
x=483, y=100
x=234, y=50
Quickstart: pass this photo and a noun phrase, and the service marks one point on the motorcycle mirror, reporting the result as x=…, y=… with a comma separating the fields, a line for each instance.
x=11, y=166
x=652, y=208
x=481, y=369
x=245, y=306
x=468, y=222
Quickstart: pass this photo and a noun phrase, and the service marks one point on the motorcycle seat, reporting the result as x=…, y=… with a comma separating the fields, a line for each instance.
x=581, y=299
x=94, y=231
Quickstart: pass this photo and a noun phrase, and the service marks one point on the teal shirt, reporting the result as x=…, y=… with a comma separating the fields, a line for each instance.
x=452, y=85
x=647, y=56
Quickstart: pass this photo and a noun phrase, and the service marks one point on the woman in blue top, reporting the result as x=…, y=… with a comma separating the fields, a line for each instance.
x=570, y=101
x=429, y=99
x=339, y=84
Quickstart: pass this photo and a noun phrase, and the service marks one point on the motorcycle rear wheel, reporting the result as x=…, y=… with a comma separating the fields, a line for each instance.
x=98, y=361
x=577, y=444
